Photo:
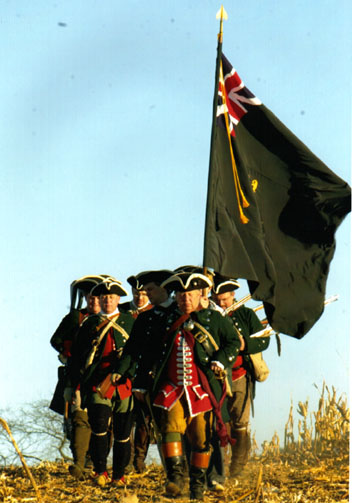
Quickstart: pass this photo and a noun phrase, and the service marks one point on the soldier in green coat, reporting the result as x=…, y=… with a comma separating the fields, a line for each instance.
x=98, y=347
x=148, y=324
x=187, y=361
x=76, y=419
x=246, y=323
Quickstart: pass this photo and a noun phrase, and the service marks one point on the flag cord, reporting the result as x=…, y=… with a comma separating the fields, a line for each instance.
x=239, y=192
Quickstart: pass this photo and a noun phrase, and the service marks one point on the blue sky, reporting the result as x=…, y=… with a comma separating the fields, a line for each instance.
x=104, y=140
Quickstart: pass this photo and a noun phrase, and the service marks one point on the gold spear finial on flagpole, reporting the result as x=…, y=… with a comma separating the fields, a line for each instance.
x=241, y=199
x=221, y=14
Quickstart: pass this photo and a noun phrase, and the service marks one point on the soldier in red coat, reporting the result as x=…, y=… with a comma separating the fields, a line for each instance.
x=195, y=349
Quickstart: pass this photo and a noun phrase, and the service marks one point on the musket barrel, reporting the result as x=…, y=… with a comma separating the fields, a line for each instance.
x=240, y=302
x=267, y=332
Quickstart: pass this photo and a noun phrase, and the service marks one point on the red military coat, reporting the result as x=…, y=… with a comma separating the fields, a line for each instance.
x=182, y=379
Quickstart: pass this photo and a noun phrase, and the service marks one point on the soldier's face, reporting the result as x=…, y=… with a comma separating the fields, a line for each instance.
x=93, y=304
x=188, y=301
x=224, y=300
x=140, y=297
x=155, y=293
x=109, y=302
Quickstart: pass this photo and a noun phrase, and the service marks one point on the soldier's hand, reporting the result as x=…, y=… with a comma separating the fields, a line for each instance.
x=216, y=368
x=76, y=399
x=115, y=378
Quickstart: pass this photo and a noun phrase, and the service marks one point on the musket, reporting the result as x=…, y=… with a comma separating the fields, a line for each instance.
x=331, y=299
x=238, y=304
x=268, y=331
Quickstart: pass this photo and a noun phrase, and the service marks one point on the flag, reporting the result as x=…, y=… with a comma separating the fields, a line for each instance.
x=272, y=210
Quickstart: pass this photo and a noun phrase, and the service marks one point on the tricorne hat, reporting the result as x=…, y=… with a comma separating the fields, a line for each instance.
x=83, y=286
x=223, y=284
x=107, y=287
x=187, y=281
x=145, y=277
x=135, y=283
x=195, y=268
x=86, y=283
x=198, y=269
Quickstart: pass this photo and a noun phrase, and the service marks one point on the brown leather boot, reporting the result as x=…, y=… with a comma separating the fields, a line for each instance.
x=240, y=451
x=141, y=445
x=80, y=443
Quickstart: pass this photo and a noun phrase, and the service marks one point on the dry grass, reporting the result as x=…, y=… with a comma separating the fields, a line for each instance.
x=312, y=467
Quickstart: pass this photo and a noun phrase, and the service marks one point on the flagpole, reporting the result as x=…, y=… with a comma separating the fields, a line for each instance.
x=222, y=14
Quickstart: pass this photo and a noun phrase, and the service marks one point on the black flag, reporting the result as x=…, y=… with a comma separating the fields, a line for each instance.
x=272, y=209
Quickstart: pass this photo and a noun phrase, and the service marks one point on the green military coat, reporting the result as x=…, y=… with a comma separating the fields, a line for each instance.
x=222, y=333
x=158, y=345
x=247, y=323
x=139, y=351
x=93, y=374
x=67, y=328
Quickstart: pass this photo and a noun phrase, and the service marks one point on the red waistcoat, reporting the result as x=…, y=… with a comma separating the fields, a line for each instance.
x=182, y=378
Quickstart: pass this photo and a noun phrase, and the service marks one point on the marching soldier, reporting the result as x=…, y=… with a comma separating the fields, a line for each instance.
x=62, y=341
x=194, y=349
x=246, y=323
x=140, y=434
x=98, y=346
x=147, y=325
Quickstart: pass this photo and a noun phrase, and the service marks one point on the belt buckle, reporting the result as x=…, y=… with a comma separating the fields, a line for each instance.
x=200, y=337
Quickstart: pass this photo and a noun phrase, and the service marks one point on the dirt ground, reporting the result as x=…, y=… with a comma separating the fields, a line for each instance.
x=286, y=478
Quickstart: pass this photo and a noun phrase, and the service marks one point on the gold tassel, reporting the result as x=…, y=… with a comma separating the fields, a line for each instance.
x=241, y=199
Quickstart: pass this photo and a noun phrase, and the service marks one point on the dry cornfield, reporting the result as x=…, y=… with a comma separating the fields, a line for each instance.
x=314, y=467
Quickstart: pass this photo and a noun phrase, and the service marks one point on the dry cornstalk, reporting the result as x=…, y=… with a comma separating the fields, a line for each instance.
x=243, y=496
x=259, y=479
x=258, y=488
x=25, y=466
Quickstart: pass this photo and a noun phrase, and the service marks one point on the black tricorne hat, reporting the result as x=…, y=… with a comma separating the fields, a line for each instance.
x=135, y=283
x=194, y=268
x=86, y=283
x=157, y=277
x=223, y=284
x=108, y=287
x=83, y=286
x=186, y=281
